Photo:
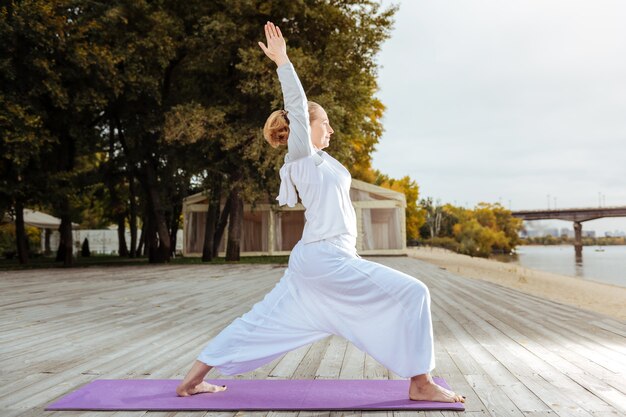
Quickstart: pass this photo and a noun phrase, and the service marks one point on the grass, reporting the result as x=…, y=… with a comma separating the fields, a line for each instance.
x=113, y=260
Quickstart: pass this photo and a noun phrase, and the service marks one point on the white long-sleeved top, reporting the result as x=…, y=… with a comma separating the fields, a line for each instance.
x=321, y=181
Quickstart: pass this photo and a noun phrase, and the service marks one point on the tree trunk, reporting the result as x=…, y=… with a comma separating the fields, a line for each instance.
x=221, y=227
x=133, y=217
x=209, y=234
x=20, y=233
x=151, y=240
x=132, y=191
x=111, y=178
x=175, y=224
x=211, y=223
x=438, y=222
x=121, y=236
x=235, y=224
x=174, y=236
x=157, y=218
x=47, y=250
x=141, y=248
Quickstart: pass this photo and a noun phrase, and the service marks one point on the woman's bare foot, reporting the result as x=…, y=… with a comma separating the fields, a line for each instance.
x=194, y=382
x=423, y=388
x=204, y=386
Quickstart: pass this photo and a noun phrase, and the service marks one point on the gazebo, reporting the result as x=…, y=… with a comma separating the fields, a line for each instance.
x=41, y=220
x=272, y=230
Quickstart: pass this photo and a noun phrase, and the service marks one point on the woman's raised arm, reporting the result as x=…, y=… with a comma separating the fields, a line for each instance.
x=276, y=48
x=299, y=142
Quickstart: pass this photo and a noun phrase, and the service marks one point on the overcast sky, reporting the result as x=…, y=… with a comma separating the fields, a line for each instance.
x=508, y=101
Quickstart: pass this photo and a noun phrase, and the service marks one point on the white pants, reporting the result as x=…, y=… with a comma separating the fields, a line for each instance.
x=328, y=289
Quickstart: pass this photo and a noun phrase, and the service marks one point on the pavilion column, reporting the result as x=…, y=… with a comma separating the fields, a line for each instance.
x=578, y=240
x=271, y=232
x=359, y=225
x=20, y=233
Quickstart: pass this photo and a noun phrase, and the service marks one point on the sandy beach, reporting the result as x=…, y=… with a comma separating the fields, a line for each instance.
x=602, y=298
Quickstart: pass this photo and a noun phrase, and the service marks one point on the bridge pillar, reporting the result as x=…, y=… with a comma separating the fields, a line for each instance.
x=578, y=240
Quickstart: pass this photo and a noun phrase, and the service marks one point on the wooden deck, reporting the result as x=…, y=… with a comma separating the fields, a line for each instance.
x=511, y=354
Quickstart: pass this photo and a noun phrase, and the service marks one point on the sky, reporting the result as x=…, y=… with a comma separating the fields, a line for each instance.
x=517, y=102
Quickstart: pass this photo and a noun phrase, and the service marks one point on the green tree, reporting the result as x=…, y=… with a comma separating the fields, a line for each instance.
x=479, y=232
x=415, y=217
x=474, y=238
x=97, y=95
x=232, y=79
x=433, y=216
x=51, y=79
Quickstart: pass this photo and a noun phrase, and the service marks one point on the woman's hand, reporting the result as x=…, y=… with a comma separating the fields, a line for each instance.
x=276, y=48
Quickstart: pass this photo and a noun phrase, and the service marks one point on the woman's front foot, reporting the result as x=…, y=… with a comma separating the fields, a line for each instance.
x=425, y=389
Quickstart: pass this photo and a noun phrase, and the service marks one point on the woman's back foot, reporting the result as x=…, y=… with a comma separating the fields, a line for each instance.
x=204, y=386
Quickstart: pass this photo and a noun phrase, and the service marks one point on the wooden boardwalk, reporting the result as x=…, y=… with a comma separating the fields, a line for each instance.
x=511, y=354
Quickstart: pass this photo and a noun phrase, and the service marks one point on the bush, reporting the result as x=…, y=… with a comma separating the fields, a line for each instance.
x=85, y=252
x=444, y=242
x=8, y=247
x=7, y=240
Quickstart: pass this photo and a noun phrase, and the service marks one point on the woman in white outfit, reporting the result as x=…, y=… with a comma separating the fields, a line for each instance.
x=327, y=288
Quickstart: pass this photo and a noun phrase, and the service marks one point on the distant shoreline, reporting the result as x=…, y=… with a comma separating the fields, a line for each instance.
x=595, y=296
x=586, y=241
x=571, y=244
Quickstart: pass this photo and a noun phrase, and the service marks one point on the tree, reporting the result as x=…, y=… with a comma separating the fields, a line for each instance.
x=415, y=218
x=434, y=215
x=232, y=78
x=475, y=239
x=98, y=95
x=479, y=232
x=51, y=79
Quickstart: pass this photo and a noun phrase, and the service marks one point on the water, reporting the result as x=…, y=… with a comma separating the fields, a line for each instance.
x=608, y=266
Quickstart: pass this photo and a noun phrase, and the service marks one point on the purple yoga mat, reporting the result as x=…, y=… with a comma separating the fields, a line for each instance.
x=250, y=394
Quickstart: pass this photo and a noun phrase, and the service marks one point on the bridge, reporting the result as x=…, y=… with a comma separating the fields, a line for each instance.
x=576, y=215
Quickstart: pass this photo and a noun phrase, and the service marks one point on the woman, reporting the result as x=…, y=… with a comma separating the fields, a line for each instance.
x=327, y=288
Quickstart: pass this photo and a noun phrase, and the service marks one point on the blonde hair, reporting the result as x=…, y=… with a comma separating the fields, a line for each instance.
x=276, y=129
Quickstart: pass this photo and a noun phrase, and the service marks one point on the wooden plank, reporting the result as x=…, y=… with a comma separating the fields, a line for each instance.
x=122, y=359
x=352, y=368
x=353, y=363
x=460, y=381
x=468, y=295
x=485, y=331
x=600, y=389
x=496, y=401
x=521, y=363
x=373, y=369
x=587, y=340
x=330, y=365
x=160, y=335
x=308, y=366
x=310, y=363
x=612, y=326
x=461, y=385
x=289, y=363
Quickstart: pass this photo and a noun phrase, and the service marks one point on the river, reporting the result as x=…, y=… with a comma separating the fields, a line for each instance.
x=599, y=263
